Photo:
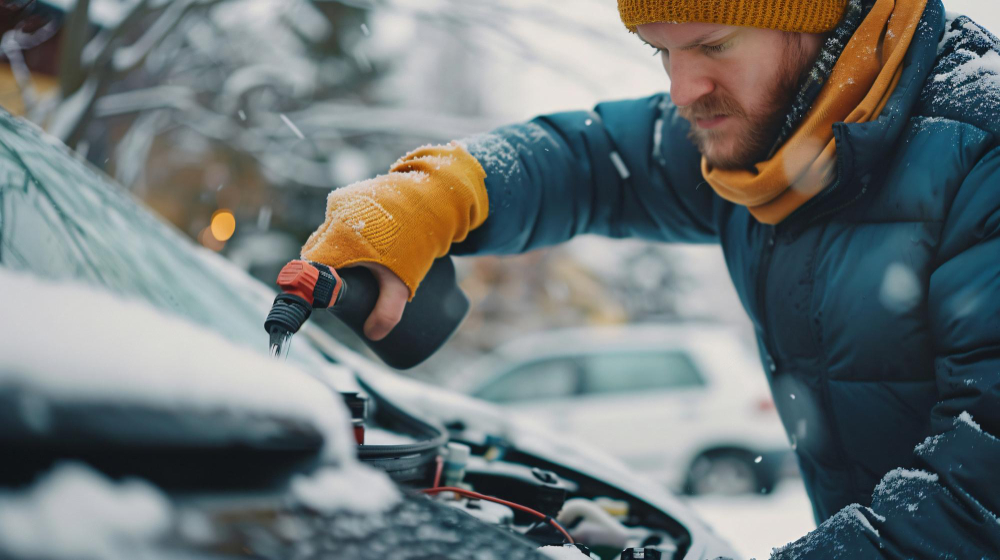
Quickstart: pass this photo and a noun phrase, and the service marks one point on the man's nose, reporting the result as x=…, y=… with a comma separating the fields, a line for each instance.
x=689, y=81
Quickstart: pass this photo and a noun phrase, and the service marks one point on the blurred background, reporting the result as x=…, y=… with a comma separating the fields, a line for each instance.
x=234, y=119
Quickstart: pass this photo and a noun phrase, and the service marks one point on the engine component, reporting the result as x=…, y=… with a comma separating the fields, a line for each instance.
x=536, y=488
x=641, y=554
x=592, y=524
x=357, y=403
x=518, y=507
x=616, y=508
x=485, y=511
x=455, y=462
x=496, y=448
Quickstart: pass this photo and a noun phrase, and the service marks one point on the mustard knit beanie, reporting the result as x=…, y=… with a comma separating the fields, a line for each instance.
x=800, y=16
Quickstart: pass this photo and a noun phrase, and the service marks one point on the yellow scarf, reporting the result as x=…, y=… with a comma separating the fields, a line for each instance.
x=857, y=90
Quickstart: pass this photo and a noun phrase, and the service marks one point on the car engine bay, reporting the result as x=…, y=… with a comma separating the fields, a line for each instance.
x=535, y=500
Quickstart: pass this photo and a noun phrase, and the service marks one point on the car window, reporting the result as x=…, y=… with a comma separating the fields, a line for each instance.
x=632, y=372
x=545, y=379
x=62, y=220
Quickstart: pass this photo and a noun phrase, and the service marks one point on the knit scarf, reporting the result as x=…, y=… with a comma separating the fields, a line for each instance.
x=857, y=90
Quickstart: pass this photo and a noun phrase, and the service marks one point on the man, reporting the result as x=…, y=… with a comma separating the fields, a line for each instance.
x=845, y=155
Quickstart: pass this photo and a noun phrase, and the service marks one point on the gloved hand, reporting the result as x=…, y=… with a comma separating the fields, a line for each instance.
x=401, y=222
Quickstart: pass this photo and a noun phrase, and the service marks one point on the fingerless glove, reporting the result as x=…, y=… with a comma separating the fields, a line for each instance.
x=431, y=198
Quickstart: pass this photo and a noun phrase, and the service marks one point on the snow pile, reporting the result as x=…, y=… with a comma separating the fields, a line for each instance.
x=355, y=487
x=72, y=342
x=74, y=512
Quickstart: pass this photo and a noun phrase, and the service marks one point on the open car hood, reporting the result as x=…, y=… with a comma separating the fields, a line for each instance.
x=475, y=419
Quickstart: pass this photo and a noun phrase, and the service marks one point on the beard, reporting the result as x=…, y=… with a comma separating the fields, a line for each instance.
x=758, y=128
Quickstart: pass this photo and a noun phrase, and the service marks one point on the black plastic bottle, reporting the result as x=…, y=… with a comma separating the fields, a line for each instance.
x=428, y=321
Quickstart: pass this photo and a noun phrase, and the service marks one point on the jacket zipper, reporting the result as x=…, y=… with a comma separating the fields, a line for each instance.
x=762, y=275
x=772, y=364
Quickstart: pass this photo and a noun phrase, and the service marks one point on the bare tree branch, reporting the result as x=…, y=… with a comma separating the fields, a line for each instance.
x=75, y=31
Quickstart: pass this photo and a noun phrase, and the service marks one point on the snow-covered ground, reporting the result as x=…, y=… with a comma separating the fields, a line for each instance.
x=756, y=524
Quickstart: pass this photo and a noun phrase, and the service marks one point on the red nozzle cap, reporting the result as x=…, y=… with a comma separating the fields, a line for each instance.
x=299, y=278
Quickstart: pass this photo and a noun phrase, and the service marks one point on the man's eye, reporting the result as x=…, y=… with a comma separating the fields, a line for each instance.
x=717, y=48
x=656, y=50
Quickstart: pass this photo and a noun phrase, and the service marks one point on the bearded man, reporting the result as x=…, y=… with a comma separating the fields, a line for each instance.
x=846, y=156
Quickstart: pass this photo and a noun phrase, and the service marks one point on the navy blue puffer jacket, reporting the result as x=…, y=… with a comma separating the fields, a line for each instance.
x=876, y=304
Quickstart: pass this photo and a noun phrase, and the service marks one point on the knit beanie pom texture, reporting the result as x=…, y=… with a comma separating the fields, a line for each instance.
x=798, y=16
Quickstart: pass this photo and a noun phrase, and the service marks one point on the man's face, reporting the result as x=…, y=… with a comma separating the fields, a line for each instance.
x=734, y=84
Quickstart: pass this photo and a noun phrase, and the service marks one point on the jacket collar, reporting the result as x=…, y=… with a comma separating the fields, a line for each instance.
x=862, y=148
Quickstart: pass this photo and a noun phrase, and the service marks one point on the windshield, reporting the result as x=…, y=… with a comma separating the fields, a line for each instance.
x=62, y=220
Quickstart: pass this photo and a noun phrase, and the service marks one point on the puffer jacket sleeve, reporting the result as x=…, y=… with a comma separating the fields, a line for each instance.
x=625, y=169
x=948, y=506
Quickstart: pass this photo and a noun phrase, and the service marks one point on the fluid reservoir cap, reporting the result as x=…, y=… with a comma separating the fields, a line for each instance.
x=458, y=453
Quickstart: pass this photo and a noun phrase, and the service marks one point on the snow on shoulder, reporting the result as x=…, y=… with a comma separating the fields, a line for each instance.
x=75, y=512
x=70, y=342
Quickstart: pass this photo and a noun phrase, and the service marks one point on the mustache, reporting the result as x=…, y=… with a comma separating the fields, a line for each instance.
x=708, y=107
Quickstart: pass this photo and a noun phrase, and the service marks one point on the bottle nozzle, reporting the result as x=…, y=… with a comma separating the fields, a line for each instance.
x=281, y=340
x=287, y=315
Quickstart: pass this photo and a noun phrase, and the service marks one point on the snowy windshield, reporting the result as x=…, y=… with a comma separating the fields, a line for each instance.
x=61, y=220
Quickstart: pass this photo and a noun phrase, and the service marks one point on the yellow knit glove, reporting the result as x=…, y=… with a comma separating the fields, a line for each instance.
x=431, y=198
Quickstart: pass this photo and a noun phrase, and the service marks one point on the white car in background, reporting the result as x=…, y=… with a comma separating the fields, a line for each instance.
x=685, y=404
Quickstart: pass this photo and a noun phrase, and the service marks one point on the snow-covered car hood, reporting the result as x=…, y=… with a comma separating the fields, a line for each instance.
x=65, y=341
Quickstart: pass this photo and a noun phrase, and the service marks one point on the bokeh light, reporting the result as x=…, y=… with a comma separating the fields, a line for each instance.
x=223, y=225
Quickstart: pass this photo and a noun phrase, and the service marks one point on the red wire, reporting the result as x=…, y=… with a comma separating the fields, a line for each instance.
x=437, y=473
x=519, y=507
